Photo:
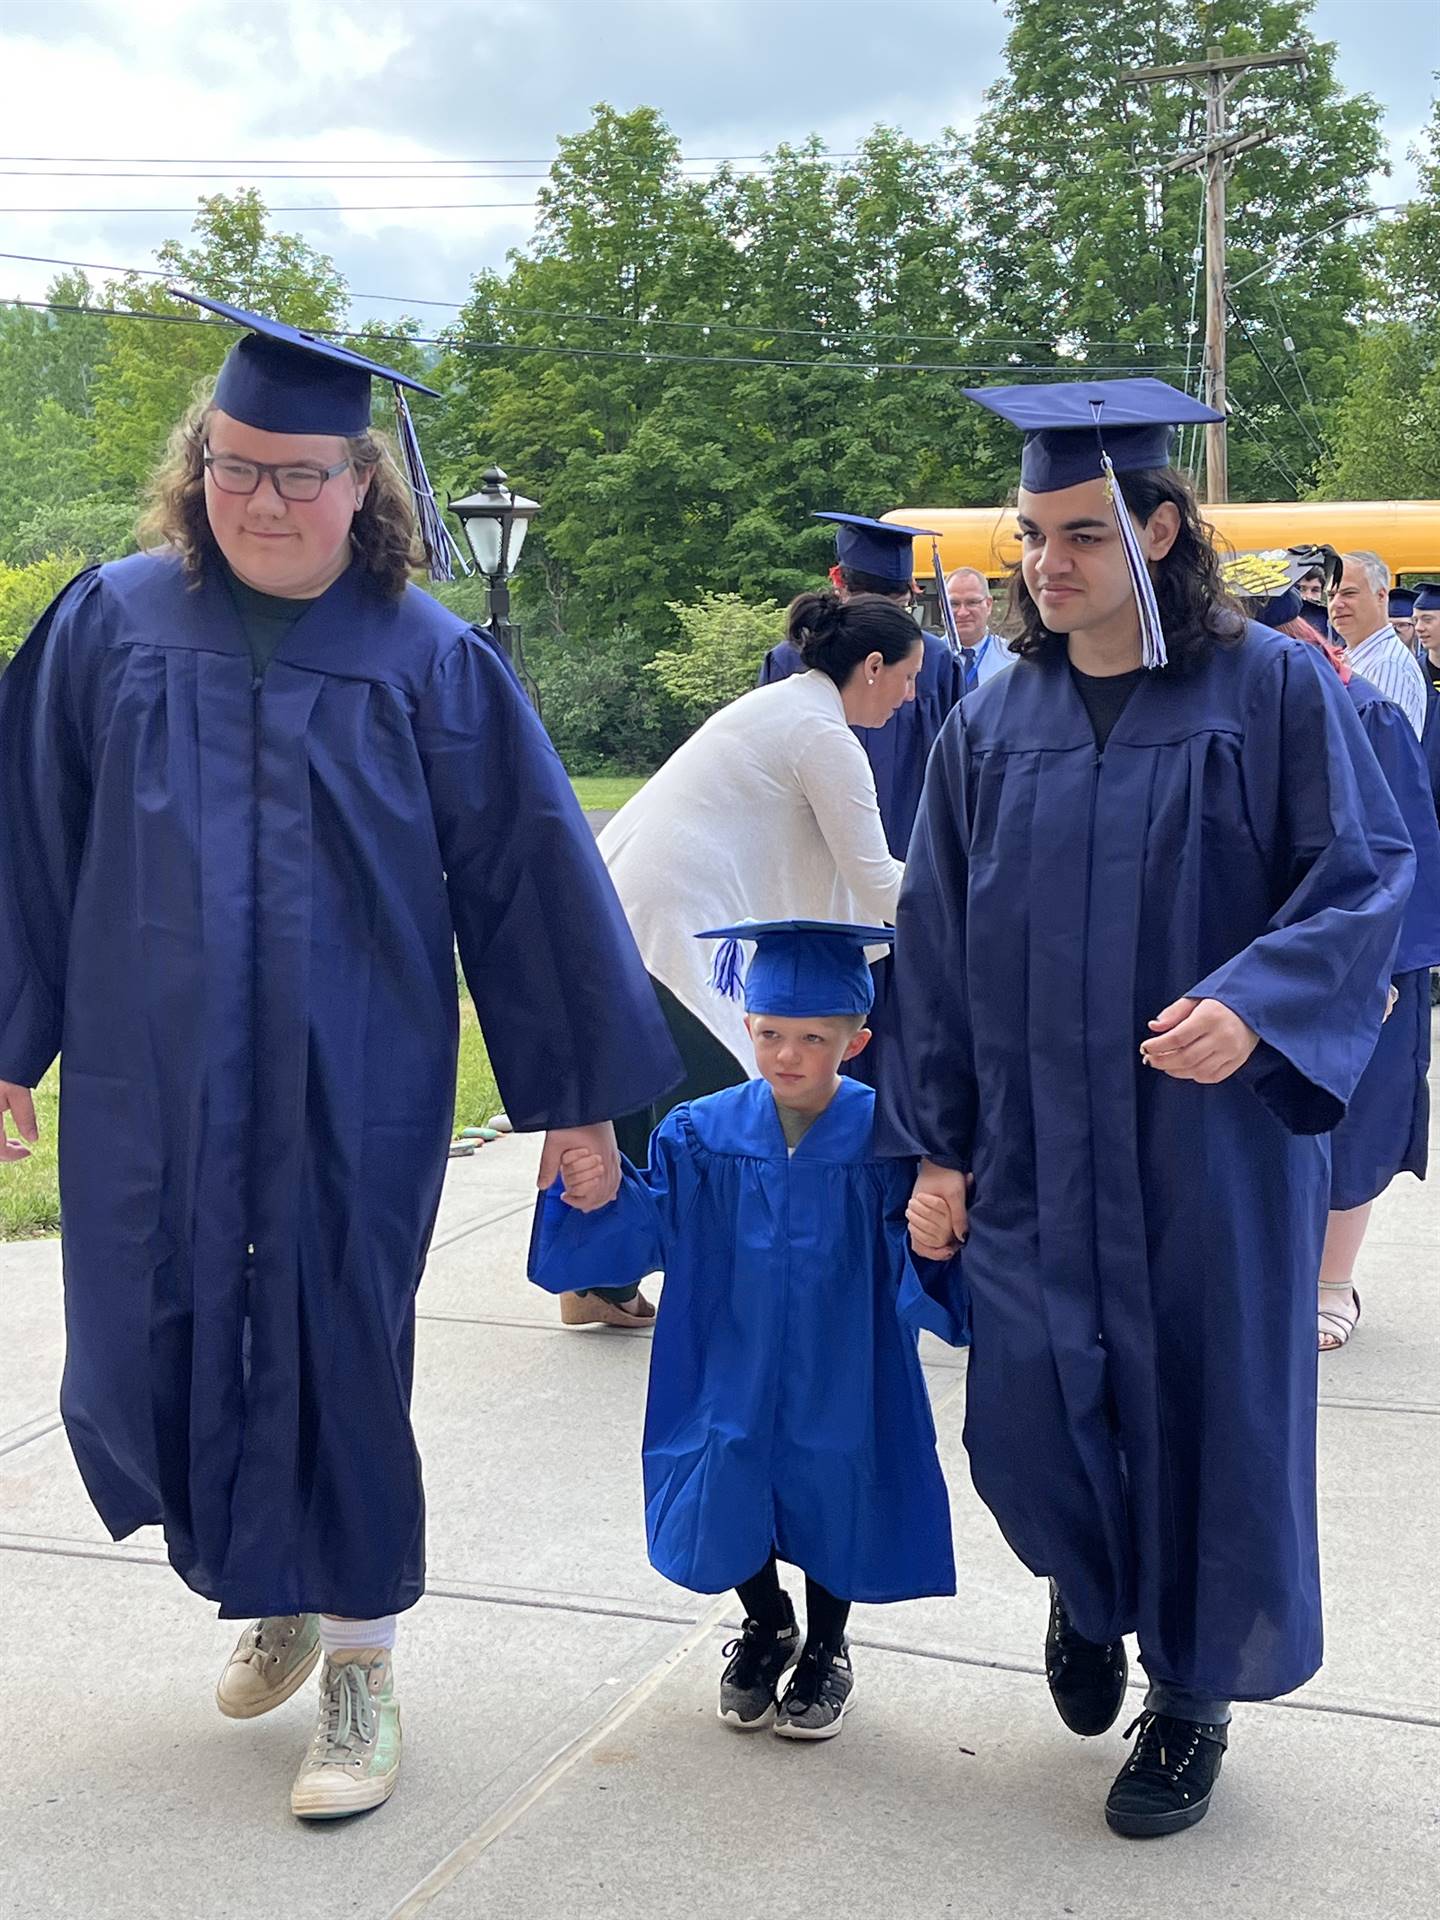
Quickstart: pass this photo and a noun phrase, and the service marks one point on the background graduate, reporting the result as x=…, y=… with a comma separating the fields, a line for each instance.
x=1162, y=877
x=787, y=1413
x=253, y=789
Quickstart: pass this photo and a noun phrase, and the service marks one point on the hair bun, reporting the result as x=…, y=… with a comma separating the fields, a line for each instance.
x=814, y=625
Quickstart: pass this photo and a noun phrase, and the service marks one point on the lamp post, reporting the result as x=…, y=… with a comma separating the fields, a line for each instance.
x=495, y=521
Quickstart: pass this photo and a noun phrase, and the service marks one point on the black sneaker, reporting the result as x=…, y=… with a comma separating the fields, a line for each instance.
x=758, y=1660
x=1087, y=1677
x=1165, y=1785
x=814, y=1704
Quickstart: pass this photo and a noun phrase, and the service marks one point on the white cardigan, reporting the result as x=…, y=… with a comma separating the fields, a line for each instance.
x=767, y=813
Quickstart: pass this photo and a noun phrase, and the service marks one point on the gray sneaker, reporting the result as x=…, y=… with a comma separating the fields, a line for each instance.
x=749, y=1684
x=354, y=1757
x=815, y=1703
x=271, y=1659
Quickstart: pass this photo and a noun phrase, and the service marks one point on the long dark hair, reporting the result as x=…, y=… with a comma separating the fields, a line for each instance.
x=1196, y=610
x=835, y=635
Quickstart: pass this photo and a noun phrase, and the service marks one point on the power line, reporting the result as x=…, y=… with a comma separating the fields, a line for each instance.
x=443, y=206
x=1276, y=463
x=753, y=170
x=186, y=160
x=463, y=345
x=750, y=327
x=1275, y=379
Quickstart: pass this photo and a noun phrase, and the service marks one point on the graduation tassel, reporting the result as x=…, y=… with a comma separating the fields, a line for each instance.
x=947, y=612
x=441, y=550
x=1152, y=634
x=726, y=973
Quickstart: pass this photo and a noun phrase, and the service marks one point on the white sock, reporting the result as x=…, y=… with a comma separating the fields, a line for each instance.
x=343, y=1636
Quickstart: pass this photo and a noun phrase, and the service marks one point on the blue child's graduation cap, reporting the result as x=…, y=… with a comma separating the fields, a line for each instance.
x=876, y=546
x=1427, y=597
x=802, y=969
x=1402, y=603
x=1079, y=430
x=281, y=379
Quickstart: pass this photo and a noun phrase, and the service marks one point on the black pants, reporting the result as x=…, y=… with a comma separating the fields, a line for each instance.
x=709, y=1065
x=766, y=1601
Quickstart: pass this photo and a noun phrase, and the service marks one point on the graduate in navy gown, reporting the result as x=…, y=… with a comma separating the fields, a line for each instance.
x=1161, y=876
x=1427, y=635
x=253, y=789
x=871, y=556
x=787, y=1414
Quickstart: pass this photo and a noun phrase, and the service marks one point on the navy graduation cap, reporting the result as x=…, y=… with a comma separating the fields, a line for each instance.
x=1268, y=580
x=1402, y=603
x=1427, y=597
x=281, y=379
x=1079, y=430
x=875, y=546
x=802, y=969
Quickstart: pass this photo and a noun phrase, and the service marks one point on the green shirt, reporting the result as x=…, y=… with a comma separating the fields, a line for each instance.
x=265, y=618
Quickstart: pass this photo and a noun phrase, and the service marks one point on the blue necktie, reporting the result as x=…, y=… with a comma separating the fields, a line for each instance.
x=967, y=657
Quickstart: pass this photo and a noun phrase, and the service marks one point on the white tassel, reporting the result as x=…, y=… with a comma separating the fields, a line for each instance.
x=1152, y=634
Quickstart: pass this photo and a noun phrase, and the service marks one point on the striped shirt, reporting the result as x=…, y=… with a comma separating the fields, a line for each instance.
x=1392, y=669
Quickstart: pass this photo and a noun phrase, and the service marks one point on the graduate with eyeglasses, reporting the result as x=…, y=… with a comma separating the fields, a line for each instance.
x=254, y=788
x=1161, y=876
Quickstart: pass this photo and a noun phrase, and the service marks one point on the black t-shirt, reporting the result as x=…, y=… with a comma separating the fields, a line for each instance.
x=1106, y=697
x=264, y=617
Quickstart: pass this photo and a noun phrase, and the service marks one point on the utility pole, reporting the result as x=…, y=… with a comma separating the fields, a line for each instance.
x=1219, y=71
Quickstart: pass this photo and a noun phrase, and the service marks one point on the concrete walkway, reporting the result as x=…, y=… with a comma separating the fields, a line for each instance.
x=563, y=1758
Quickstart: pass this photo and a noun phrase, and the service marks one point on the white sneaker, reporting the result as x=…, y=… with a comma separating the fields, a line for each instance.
x=354, y=1758
x=271, y=1659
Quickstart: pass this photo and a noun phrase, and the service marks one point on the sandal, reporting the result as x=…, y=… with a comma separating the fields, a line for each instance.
x=591, y=1310
x=1338, y=1323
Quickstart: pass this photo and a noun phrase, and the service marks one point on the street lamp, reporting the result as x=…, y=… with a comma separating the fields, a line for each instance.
x=495, y=521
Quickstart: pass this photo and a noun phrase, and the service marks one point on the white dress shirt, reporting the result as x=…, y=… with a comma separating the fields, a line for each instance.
x=1392, y=669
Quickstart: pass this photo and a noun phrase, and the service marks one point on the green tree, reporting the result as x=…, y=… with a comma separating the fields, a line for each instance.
x=1087, y=250
x=1385, y=442
x=25, y=592
x=723, y=639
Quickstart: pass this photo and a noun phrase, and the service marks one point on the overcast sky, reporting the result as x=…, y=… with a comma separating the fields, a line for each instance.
x=379, y=83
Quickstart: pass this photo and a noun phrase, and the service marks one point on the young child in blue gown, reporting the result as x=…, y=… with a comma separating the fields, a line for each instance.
x=787, y=1416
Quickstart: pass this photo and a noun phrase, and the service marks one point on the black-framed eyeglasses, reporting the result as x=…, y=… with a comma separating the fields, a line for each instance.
x=291, y=480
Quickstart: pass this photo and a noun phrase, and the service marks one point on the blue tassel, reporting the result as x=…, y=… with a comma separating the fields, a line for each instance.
x=727, y=975
x=441, y=550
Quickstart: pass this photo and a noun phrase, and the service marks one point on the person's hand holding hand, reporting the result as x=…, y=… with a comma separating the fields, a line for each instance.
x=17, y=1109
x=1199, y=1040
x=939, y=1211
x=595, y=1159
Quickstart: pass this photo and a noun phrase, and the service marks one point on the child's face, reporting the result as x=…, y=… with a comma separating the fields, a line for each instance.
x=799, y=1059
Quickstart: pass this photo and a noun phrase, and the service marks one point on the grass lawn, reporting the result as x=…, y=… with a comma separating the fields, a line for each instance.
x=606, y=792
x=30, y=1194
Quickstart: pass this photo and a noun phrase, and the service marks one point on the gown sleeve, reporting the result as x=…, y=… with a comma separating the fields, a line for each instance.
x=44, y=813
x=779, y=663
x=926, y=1101
x=570, y=1018
x=1313, y=985
x=1402, y=761
x=621, y=1243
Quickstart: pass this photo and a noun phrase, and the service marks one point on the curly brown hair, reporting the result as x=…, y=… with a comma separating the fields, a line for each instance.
x=384, y=533
x=1197, y=611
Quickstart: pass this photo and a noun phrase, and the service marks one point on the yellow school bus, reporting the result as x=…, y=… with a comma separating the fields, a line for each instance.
x=1405, y=533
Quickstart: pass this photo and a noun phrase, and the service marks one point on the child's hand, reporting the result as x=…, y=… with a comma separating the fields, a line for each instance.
x=595, y=1143
x=938, y=1213
x=584, y=1174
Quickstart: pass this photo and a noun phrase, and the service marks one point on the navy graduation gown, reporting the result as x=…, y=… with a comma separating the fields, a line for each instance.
x=1386, y=1127
x=786, y=1401
x=1143, y=1251
x=232, y=905
x=898, y=751
x=1430, y=739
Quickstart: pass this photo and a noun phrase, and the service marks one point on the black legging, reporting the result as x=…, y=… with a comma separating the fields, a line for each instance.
x=765, y=1601
x=709, y=1065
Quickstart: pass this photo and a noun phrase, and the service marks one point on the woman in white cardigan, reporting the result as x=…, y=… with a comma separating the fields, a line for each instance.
x=768, y=812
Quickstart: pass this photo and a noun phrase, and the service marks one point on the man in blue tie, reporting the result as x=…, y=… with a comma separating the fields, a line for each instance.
x=982, y=653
